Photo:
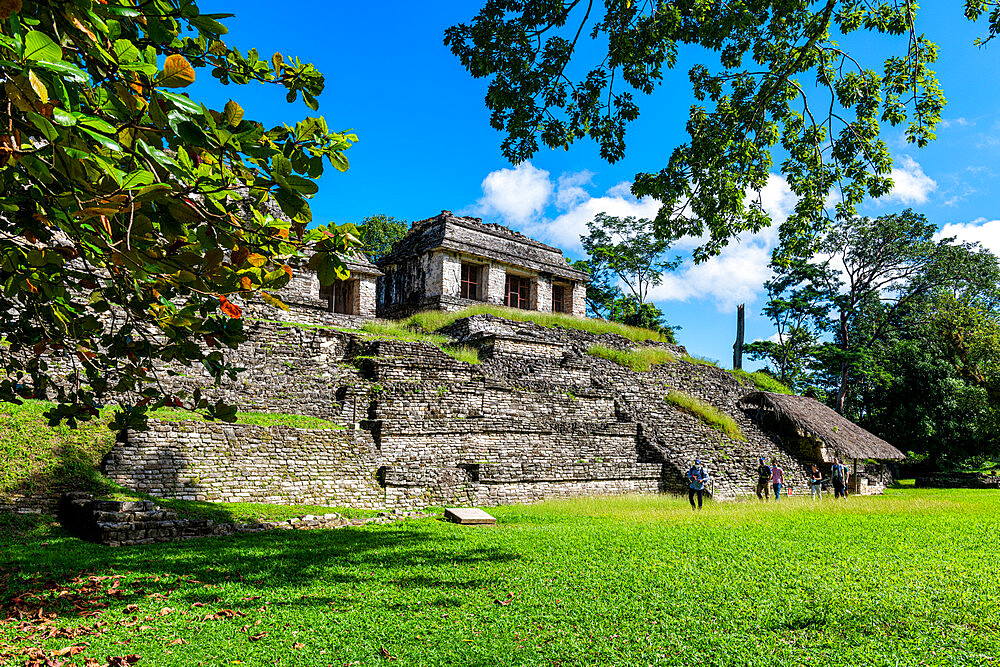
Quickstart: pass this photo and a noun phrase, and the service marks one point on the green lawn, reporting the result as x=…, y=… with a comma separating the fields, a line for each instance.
x=906, y=579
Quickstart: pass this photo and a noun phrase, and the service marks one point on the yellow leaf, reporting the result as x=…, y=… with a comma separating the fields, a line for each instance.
x=232, y=114
x=38, y=87
x=81, y=27
x=273, y=301
x=257, y=260
x=177, y=73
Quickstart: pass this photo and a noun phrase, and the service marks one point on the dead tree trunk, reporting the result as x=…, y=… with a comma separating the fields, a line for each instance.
x=738, y=345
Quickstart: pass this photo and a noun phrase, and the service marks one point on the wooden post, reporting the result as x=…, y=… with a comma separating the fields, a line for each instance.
x=738, y=346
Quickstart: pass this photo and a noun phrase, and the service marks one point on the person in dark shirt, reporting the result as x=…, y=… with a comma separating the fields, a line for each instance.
x=763, y=478
x=815, y=483
x=837, y=477
x=697, y=477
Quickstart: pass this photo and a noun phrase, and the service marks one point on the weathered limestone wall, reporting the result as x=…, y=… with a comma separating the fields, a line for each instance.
x=242, y=463
x=537, y=419
x=541, y=297
x=494, y=278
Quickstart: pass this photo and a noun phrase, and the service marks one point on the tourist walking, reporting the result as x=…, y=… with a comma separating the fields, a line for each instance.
x=763, y=479
x=837, y=478
x=697, y=478
x=777, y=478
x=847, y=478
x=815, y=483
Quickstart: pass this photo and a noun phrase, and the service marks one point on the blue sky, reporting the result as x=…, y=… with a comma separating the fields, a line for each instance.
x=425, y=144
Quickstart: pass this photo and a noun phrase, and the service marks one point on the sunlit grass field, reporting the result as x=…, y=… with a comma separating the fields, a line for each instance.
x=910, y=578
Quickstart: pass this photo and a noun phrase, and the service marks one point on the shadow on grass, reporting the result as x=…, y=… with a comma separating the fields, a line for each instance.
x=407, y=558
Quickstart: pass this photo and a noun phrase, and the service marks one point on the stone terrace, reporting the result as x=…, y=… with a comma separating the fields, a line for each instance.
x=537, y=419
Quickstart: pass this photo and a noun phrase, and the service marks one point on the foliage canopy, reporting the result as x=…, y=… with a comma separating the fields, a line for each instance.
x=781, y=84
x=378, y=233
x=130, y=213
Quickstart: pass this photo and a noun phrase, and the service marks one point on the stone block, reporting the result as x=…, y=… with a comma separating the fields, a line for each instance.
x=468, y=516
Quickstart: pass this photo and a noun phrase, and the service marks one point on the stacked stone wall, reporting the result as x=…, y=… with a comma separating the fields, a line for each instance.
x=537, y=419
x=243, y=463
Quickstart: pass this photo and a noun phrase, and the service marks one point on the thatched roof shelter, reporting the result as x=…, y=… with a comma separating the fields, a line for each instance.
x=808, y=418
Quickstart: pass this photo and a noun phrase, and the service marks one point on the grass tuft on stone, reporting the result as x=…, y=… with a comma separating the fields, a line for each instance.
x=405, y=331
x=251, y=418
x=760, y=380
x=432, y=320
x=400, y=330
x=709, y=414
x=639, y=359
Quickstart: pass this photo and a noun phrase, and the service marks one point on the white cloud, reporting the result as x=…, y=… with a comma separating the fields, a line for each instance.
x=733, y=277
x=566, y=229
x=516, y=195
x=773, y=338
x=777, y=198
x=570, y=189
x=910, y=185
x=961, y=121
x=623, y=189
x=986, y=232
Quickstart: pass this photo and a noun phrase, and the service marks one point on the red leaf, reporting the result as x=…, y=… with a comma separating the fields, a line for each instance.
x=230, y=308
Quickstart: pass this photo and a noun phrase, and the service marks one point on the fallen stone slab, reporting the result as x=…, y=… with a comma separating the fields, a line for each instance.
x=468, y=516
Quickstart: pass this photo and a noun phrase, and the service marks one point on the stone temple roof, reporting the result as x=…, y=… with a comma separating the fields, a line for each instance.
x=488, y=240
x=358, y=262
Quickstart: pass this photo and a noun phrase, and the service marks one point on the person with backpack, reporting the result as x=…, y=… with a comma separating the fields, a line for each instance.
x=697, y=478
x=837, y=478
x=815, y=484
x=777, y=478
x=763, y=478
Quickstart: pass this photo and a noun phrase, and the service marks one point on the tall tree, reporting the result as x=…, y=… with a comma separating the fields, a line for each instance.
x=378, y=233
x=867, y=274
x=630, y=249
x=605, y=300
x=130, y=212
x=782, y=82
x=931, y=386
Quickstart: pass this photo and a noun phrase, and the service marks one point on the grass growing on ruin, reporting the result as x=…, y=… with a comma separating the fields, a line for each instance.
x=402, y=330
x=432, y=320
x=907, y=579
x=251, y=418
x=761, y=381
x=706, y=413
x=638, y=359
x=36, y=458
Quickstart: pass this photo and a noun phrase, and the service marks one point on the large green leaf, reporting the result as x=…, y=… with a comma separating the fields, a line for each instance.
x=39, y=46
x=103, y=140
x=68, y=71
x=137, y=179
x=182, y=102
x=43, y=124
x=63, y=118
x=125, y=51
